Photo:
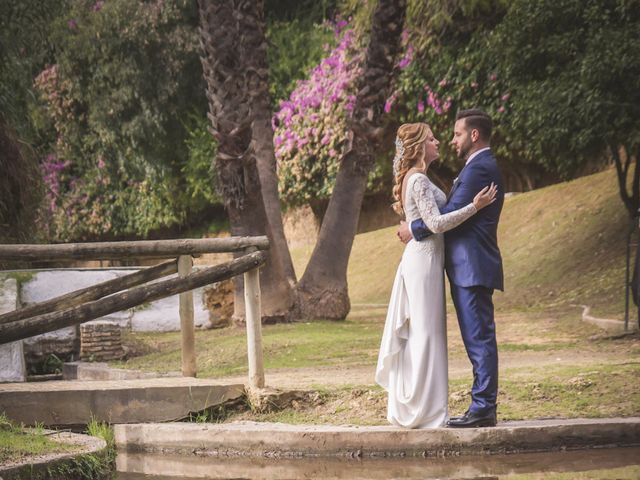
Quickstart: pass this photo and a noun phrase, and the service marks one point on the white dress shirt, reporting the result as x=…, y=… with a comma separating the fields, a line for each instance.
x=475, y=154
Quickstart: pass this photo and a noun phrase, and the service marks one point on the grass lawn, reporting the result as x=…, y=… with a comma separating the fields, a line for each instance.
x=17, y=443
x=563, y=246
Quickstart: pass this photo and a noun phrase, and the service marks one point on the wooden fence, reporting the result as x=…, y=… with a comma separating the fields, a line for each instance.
x=131, y=290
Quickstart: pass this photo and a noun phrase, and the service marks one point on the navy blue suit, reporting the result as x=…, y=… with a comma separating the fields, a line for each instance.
x=474, y=267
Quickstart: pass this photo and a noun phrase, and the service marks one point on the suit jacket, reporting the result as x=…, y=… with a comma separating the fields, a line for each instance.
x=472, y=256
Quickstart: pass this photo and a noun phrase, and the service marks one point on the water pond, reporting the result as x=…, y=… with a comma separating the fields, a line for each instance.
x=615, y=463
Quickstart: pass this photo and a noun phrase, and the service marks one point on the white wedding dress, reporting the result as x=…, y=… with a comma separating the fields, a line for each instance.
x=412, y=364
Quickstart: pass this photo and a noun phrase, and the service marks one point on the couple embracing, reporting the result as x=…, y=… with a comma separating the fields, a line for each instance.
x=458, y=234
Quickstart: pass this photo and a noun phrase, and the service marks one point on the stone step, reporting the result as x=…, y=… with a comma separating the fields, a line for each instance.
x=251, y=439
x=73, y=403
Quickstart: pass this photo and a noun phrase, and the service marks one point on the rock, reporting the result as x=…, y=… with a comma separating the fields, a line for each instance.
x=264, y=400
x=218, y=299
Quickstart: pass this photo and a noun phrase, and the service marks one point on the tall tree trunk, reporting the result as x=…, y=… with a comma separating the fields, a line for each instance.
x=224, y=60
x=323, y=291
x=623, y=157
x=252, y=26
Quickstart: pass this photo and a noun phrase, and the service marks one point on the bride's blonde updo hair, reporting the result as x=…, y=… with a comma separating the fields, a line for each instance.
x=409, y=151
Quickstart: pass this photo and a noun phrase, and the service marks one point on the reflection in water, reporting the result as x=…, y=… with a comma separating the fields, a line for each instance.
x=619, y=463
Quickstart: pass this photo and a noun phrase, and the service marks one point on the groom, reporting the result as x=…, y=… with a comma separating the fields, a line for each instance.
x=473, y=262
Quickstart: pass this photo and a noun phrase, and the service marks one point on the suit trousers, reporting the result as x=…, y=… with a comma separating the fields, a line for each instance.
x=474, y=307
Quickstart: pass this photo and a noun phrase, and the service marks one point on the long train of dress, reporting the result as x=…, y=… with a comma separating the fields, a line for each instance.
x=412, y=364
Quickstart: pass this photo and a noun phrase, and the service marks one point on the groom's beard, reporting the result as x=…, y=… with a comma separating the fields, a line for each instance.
x=463, y=154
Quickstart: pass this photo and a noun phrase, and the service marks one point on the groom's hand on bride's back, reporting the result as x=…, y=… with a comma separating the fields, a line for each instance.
x=404, y=234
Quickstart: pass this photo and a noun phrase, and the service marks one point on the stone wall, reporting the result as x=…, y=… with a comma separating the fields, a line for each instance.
x=100, y=341
x=12, y=366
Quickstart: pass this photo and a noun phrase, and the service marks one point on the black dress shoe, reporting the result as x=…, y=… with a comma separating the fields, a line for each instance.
x=473, y=420
x=458, y=417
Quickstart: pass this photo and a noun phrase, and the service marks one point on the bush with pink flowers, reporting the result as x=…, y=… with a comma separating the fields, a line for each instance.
x=310, y=128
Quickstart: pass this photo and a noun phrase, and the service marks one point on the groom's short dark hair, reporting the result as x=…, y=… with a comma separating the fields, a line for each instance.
x=478, y=119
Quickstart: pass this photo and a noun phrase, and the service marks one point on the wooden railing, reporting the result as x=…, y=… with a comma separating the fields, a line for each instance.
x=132, y=290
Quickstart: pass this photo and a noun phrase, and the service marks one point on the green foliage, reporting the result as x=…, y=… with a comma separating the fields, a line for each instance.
x=314, y=11
x=298, y=34
x=560, y=78
x=295, y=47
x=574, y=68
x=102, y=430
x=52, y=364
x=450, y=70
x=21, y=277
x=198, y=172
x=25, y=48
x=126, y=78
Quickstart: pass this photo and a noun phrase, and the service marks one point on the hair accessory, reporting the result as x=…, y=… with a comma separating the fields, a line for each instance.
x=398, y=158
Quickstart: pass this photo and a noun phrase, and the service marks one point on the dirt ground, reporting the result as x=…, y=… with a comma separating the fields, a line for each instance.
x=308, y=378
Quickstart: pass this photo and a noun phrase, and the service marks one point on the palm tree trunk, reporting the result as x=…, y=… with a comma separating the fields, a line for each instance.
x=323, y=289
x=252, y=26
x=226, y=70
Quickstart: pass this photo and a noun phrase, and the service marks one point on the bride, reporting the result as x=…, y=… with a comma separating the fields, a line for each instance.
x=412, y=364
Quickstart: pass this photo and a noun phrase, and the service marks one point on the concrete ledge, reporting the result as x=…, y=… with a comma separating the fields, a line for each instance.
x=280, y=440
x=90, y=371
x=69, y=403
x=33, y=467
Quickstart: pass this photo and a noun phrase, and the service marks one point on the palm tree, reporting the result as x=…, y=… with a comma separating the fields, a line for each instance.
x=234, y=67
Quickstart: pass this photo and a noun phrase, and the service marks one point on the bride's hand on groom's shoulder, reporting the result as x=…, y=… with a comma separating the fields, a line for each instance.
x=403, y=232
x=486, y=196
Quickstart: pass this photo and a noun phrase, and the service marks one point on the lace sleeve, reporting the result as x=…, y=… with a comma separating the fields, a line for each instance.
x=426, y=203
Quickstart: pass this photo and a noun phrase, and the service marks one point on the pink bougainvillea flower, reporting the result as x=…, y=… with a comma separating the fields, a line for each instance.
x=406, y=59
x=404, y=63
x=387, y=105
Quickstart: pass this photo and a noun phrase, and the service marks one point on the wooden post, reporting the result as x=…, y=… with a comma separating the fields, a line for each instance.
x=253, y=319
x=185, y=262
